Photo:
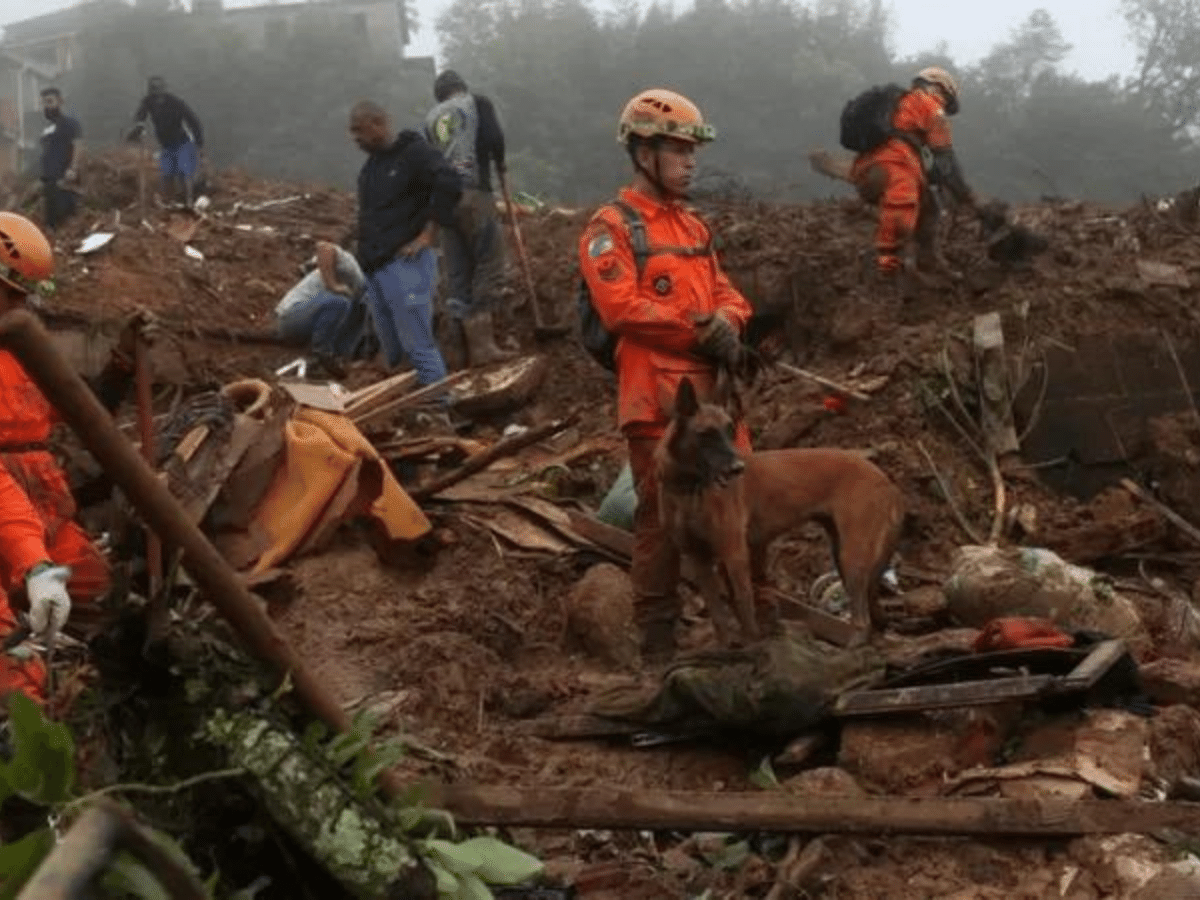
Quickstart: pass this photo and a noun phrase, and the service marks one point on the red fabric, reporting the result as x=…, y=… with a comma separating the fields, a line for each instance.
x=36, y=517
x=921, y=115
x=1021, y=634
x=654, y=316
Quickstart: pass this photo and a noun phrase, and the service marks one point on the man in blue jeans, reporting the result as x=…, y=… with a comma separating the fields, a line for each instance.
x=326, y=310
x=406, y=189
x=180, y=137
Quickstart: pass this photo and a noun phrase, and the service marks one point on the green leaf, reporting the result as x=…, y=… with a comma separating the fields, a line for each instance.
x=447, y=881
x=126, y=875
x=473, y=888
x=43, y=765
x=19, y=860
x=314, y=735
x=764, y=776
x=370, y=764
x=501, y=863
x=346, y=746
x=458, y=858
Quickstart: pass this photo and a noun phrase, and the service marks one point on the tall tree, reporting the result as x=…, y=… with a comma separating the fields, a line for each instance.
x=1167, y=34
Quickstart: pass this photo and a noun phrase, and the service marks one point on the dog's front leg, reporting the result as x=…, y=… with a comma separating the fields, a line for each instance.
x=718, y=610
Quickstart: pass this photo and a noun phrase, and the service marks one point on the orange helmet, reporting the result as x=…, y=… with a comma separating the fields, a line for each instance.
x=25, y=254
x=938, y=76
x=661, y=113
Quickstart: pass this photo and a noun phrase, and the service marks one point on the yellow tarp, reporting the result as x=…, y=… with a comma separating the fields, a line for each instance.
x=329, y=473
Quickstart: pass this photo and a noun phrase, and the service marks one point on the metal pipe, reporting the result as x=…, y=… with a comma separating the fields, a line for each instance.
x=24, y=337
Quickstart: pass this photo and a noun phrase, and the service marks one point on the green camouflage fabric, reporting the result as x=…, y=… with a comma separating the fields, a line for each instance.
x=776, y=688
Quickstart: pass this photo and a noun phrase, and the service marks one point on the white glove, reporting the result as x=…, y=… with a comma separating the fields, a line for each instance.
x=49, y=602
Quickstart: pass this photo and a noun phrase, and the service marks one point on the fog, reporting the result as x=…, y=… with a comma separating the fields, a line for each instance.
x=1083, y=107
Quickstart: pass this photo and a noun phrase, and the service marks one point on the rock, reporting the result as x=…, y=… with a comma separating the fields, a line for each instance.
x=1121, y=864
x=600, y=612
x=989, y=583
x=924, y=602
x=1172, y=681
x=1175, y=744
x=915, y=754
x=1176, y=880
x=824, y=782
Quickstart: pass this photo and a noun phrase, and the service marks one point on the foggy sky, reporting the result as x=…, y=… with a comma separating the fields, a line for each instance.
x=1094, y=27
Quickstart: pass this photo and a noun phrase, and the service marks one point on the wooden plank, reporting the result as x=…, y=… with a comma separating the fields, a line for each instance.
x=941, y=696
x=365, y=419
x=641, y=809
x=1103, y=657
x=995, y=402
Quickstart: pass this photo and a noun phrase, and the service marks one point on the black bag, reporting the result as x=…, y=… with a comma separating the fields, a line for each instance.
x=596, y=339
x=867, y=119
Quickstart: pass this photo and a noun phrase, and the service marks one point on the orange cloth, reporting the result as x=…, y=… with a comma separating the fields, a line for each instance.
x=1016, y=633
x=921, y=116
x=653, y=315
x=36, y=516
x=329, y=473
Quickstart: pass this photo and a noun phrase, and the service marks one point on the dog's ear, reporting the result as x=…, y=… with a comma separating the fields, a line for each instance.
x=686, y=404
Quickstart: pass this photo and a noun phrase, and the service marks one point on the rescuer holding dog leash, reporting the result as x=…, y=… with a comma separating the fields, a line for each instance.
x=655, y=283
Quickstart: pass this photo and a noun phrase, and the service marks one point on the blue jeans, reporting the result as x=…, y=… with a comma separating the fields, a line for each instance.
x=183, y=160
x=315, y=322
x=401, y=298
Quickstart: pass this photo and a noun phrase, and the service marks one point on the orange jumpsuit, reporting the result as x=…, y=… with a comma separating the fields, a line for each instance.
x=653, y=318
x=36, y=516
x=896, y=167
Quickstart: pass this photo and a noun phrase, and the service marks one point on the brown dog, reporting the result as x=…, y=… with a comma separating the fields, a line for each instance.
x=860, y=508
x=702, y=504
x=724, y=511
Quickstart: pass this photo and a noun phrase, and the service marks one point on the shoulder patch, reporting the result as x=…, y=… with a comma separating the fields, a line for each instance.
x=601, y=243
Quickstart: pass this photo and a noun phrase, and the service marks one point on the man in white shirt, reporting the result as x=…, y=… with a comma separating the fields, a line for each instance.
x=326, y=309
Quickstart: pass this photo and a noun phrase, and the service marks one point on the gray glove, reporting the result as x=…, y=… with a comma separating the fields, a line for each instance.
x=718, y=339
x=49, y=602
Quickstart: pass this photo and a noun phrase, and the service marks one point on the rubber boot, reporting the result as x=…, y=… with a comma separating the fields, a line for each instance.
x=451, y=338
x=481, y=341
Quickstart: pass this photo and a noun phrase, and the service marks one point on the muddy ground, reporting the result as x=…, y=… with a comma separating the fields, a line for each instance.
x=459, y=653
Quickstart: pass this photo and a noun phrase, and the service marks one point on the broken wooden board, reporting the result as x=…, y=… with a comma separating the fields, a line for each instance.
x=327, y=396
x=497, y=388
x=520, y=532
x=994, y=394
x=1163, y=274
x=981, y=692
x=641, y=809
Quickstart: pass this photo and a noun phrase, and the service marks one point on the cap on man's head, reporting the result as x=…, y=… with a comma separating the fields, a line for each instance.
x=447, y=85
x=156, y=83
x=51, y=92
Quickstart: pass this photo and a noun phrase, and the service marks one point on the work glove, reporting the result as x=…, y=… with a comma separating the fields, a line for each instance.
x=143, y=324
x=717, y=339
x=49, y=602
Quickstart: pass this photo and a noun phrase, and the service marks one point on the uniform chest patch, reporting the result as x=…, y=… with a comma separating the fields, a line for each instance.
x=599, y=245
x=662, y=285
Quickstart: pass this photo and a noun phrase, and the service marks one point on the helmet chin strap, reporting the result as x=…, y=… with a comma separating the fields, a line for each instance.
x=655, y=177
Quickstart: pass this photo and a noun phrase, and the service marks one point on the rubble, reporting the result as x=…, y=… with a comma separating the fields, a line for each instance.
x=462, y=630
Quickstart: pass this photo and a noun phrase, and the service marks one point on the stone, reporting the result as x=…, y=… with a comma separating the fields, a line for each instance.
x=600, y=613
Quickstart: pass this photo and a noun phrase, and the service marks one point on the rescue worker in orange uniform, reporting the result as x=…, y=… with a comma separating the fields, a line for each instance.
x=45, y=557
x=898, y=174
x=679, y=317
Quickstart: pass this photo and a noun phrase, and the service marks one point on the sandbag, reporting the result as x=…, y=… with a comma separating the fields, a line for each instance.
x=776, y=688
x=989, y=583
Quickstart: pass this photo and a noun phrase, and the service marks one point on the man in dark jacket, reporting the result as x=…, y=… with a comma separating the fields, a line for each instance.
x=60, y=160
x=180, y=137
x=405, y=190
x=464, y=126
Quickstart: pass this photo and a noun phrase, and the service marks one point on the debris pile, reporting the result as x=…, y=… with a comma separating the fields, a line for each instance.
x=1040, y=418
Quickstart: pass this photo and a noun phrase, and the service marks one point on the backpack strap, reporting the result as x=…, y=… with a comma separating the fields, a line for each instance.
x=637, y=234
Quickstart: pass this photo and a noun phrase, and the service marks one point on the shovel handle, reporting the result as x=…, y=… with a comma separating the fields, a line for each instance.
x=520, y=241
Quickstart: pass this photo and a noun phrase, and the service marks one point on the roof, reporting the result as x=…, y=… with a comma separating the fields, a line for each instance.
x=16, y=61
x=71, y=20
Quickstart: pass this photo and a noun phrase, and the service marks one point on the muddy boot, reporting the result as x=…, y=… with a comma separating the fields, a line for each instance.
x=451, y=339
x=656, y=620
x=481, y=341
x=769, y=622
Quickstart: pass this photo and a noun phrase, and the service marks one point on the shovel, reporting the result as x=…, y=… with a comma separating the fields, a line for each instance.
x=540, y=328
